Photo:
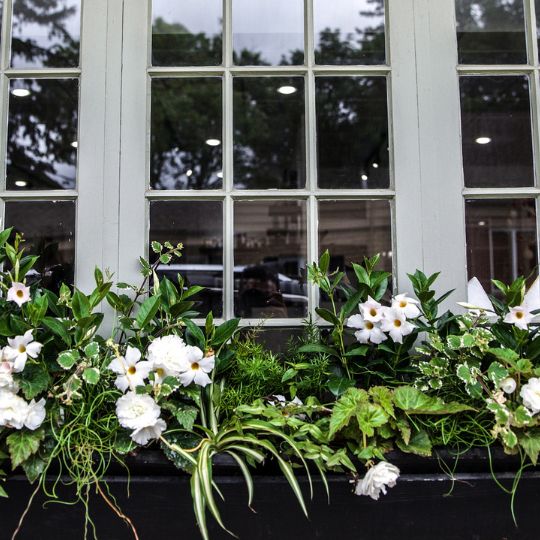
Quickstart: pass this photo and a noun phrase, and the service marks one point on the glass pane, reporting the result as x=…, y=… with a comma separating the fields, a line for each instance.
x=269, y=133
x=42, y=134
x=270, y=251
x=186, y=134
x=501, y=239
x=49, y=231
x=491, y=32
x=186, y=32
x=352, y=132
x=349, y=32
x=199, y=226
x=268, y=32
x=45, y=33
x=496, y=131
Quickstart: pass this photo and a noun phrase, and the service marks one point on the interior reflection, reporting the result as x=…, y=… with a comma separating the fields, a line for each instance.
x=42, y=134
x=45, y=33
x=270, y=255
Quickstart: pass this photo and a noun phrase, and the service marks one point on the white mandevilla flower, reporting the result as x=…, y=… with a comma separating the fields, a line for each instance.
x=13, y=410
x=36, y=414
x=530, y=394
x=143, y=435
x=371, y=310
x=396, y=325
x=167, y=356
x=519, y=316
x=408, y=306
x=6, y=378
x=477, y=299
x=130, y=370
x=20, y=348
x=377, y=479
x=508, y=385
x=367, y=330
x=196, y=366
x=18, y=293
x=137, y=411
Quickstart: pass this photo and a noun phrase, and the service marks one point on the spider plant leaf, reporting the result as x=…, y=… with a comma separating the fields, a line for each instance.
x=247, y=476
x=199, y=504
x=251, y=452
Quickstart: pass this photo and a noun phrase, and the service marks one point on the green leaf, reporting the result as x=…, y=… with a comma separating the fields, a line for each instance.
x=156, y=247
x=147, y=311
x=225, y=331
x=58, y=327
x=347, y=408
x=68, y=359
x=3, y=492
x=327, y=315
x=23, y=444
x=92, y=349
x=412, y=401
x=530, y=442
x=91, y=375
x=195, y=335
x=358, y=351
x=317, y=348
x=384, y=397
x=419, y=444
x=36, y=379
x=186, y=416
x=497, y=372
x=33, y=467
x=371, y=416
x=289, y=374
x=505, y=355
x=80, y=305
x=338, y=385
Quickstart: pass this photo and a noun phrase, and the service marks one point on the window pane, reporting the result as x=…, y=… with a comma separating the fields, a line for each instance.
x=186, y=32
x=491, y=32
x=349, y=32
x=42, y=134
x=352, y=132
x=45, y=33
x=496, y=131
x=199, y=226
x=501, y=239
x=268, y=32
x=49, y=231
x=352, y=230
x=269, y=133
x=270, y=251
x=186, y=134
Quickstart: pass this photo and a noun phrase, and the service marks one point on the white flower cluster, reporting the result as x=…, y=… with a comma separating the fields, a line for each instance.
x=168, y=356
x=15, y=412
x=375, y=320
x=377, y=479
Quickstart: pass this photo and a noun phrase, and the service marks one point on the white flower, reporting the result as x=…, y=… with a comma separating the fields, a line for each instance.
x=167, y=355
x=196, y=367
x=396, y=325
x=377, y=479
x=477, y=299
x=36, y=414
x=282, y=401
x=137, y=411
x=6, y=378
x=18, y=293
x=508, y=385
x=20, y=348
x=530, y=394
x=13, y=410
x=131, y=372
x=519, y=316
x=143, y=435
x=371, y=310
x=368, y=331
x=408, y=306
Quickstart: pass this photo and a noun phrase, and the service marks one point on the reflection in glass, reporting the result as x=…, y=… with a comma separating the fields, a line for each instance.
x=45, y=33
x=349, y=32
x=269, y=134
x=268, y=32
x=496, y=131
x=186, y=32
x=352, y=132
x=49, y=230
x=501, y=239
x=42, y=134
x=352, y=230
x=186, y=134
x=199, y=226
x=491, y=32
x=270, y=253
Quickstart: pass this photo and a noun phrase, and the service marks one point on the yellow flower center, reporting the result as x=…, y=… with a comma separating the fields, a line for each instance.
x=519, y=314
x=132, y=370
x=403, y=304
x=369, y=325
x=373, y=312
x=22, y=349
x=160, y=372
x=195, y=366
x=397, y=323
x=19, y=293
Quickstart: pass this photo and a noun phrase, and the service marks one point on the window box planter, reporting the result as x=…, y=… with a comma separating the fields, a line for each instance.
x=418, y=507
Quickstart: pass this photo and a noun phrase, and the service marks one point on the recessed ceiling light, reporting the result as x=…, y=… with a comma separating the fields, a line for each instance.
x=286, y=90
x=483, y=140
x=189, y=172
x=213, y=142
x=364, y=177
x=375, y=165
x=20, y=92
x=75, y=144
x=21, y=183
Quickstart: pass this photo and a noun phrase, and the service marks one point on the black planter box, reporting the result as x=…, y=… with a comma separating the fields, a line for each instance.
x=420, y=507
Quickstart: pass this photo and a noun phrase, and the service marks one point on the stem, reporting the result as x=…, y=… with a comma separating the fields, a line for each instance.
x=26, y=510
